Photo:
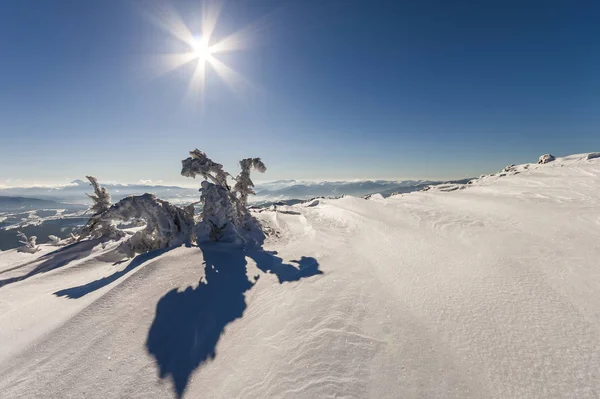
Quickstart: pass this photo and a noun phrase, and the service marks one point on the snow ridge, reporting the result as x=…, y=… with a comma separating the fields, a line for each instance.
x=489, y=290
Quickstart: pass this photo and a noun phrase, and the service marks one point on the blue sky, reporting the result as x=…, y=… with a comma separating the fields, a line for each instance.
x=337, y=89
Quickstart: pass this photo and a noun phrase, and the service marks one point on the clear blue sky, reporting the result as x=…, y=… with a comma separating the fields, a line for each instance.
x=338, y=89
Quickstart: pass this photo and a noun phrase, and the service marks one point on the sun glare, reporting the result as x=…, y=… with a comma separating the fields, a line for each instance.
x=201, y=48
x=201, y=52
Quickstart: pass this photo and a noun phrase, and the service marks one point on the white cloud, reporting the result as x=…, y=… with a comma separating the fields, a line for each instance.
x=149, y=182
x=20, y=183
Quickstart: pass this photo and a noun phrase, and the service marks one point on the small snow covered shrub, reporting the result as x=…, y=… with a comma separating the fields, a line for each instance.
x=163, y=224
x=509, y=168
x=29, y=245
x=54, y=240
x=225, y=216
x=166, y=226
x=546, y=158
x=219, y=218
x=373, y=196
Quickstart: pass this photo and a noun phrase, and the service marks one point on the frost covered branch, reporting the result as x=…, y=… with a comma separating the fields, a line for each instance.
x=244, y=187
x=101, y=196
x=225, y=216
x=58, y=242
x=98, y=226
x=244, y=184
x=54, y=240
x=199, y=164
x=29, y=244
x=166, y=224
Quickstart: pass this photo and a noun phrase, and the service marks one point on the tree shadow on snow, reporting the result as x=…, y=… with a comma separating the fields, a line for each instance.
x=188, y=324
x=267, y=262
x=53, y=260
x=82, y=290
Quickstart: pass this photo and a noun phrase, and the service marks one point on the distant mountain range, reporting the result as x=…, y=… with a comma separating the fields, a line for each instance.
x=75, y=193
x=11, y=204
x=293, y=189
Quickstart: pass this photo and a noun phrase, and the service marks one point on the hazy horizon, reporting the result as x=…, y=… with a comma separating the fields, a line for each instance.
x=196, y=183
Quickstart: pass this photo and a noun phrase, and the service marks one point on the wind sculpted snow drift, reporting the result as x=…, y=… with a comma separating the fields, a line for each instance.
x=487, y=289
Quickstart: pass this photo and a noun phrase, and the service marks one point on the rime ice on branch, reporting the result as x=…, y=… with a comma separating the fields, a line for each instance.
x=165, y=224
x=199, y=164
x=97, y=226
x=225, y=216
x=218, y=220
x=54, y=240
x=244, y=185
x=29, y=244
x=101, y=196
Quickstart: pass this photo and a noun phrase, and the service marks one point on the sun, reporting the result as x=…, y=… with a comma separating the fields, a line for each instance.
x=202, y=50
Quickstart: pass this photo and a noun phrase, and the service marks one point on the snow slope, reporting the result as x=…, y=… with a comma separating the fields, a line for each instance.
x=490, y=289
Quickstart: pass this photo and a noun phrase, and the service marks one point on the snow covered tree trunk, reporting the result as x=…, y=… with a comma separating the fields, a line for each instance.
x=244, y=186
x=219, y=216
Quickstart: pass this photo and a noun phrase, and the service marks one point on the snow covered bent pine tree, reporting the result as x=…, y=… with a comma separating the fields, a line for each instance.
x=166, y=225
x=225, y=215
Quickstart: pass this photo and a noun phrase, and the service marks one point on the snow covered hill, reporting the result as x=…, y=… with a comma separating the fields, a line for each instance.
x=482, y=290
